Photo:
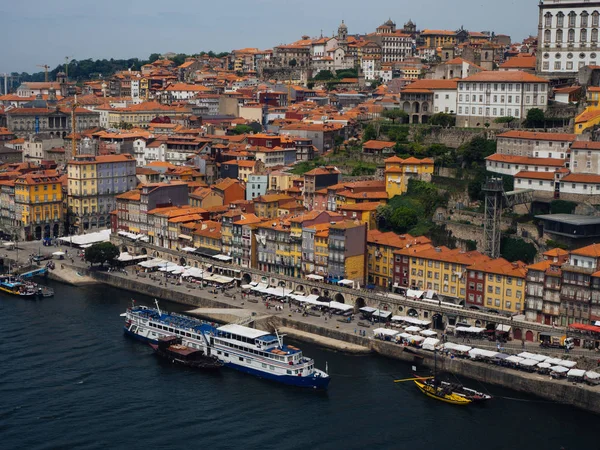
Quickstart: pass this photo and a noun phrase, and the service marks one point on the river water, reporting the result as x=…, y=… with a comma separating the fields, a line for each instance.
x=70, y=379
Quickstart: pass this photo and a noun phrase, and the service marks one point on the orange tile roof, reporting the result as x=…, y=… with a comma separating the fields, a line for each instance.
x=542, y=266
x=501, y=266
x=584, y=145
x=378, y=145
x=432, y=84
x=525, y=160
x=592, y=251
x=581, y=178
x=537, y=136
x=556, y=252
x=381, y=195
x=587, y=115
x=520, y=61
x=535, y=175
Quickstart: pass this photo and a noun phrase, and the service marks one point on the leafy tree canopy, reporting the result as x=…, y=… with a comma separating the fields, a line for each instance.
x=101, y=253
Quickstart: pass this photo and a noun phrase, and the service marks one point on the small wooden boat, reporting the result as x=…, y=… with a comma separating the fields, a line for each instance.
x=442, y=393
x=171, y=348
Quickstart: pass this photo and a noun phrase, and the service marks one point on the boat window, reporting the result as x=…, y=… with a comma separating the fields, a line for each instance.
x=272, y=367
x=226, y=354
x=264, y=366
x=241, y=359
x=188, y=334
x=289, y=372
x=218, y=352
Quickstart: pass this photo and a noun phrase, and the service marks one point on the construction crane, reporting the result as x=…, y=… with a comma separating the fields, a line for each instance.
x=45, y=67
x=67, y=66
x=496, y=200
x=74, y=107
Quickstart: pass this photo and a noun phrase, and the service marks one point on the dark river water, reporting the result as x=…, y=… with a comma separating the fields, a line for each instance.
x=69, y=379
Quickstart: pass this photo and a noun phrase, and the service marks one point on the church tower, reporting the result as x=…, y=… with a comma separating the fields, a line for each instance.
x=342, y=35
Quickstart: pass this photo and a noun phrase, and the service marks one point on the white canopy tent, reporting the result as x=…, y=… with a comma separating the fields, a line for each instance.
x=151, y=264
x=411, y=320
x=567, y=364
x=430, y=344
x=576, y=373
x=544, y=365
x=412, y=329
x=592, y=375
x=223, y=257
x=384, y=332
x=341, y=306
x=346, y=283
x=126, y=257
x=457, y=347
x=90, y=238
x=514, y=359
x=474, y=330
x=382, y=314
x=427, y=333
x=528, y=363
x=480, y=353
x=559, y=369
x=314, y=277
x=413, y=293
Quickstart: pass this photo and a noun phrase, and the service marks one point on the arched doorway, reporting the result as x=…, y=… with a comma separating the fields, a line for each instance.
x=246, y=278
x=517, y=334
x=478, y=323
x=144, y=251
x=415, y=118
x=416, y=107
x=38, y=232
x=299, y=288
x=326, y=293
x=182, y=261
x=406, y=107
x=315, y=291
x=56, y=230
x=339, y=298
x=412, y=313
x=124, y=249
x=46, y=231
x=360, y=303
x=437, y=321
x=529, y=336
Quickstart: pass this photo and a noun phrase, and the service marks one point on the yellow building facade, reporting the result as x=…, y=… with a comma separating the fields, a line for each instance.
x=399, y=171
x=39, y=205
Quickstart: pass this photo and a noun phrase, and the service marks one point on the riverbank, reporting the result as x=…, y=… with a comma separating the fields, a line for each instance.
x=344, y=337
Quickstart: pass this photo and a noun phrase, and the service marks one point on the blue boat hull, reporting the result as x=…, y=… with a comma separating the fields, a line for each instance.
x=305, y=382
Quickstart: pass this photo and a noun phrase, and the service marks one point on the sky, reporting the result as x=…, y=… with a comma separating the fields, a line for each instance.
x=43, y=32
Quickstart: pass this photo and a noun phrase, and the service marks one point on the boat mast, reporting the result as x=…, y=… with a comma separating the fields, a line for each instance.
x=157, y=307
x=279, y=340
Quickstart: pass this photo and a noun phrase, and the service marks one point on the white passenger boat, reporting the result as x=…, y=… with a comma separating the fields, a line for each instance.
x=245, y=349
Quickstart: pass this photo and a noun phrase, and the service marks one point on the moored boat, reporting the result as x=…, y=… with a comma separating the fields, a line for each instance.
x=442, y=393
x=19, y=288
x=248, y=350
x=172, y=349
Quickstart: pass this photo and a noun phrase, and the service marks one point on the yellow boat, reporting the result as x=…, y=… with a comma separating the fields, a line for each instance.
x=442, y=394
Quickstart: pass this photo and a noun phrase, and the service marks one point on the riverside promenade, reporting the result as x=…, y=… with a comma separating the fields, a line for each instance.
x=330, y=332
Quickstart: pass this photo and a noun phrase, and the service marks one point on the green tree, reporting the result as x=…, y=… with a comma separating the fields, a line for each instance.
x=404, y=218
x=124, y=125
x=242, y=129
x=153, y=57
x=535, y=118
x=562, y=207
x=515, y=249
x=101, y=253
x=370, y=133
x=442, y=119
x=324, y=75
x=394, y=114
x=476, y=150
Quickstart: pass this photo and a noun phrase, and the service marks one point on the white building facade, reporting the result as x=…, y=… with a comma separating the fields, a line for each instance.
x=568, y=36
x=487, y=96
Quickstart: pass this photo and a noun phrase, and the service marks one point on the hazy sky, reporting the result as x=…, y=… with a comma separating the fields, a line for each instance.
x=42, y=32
